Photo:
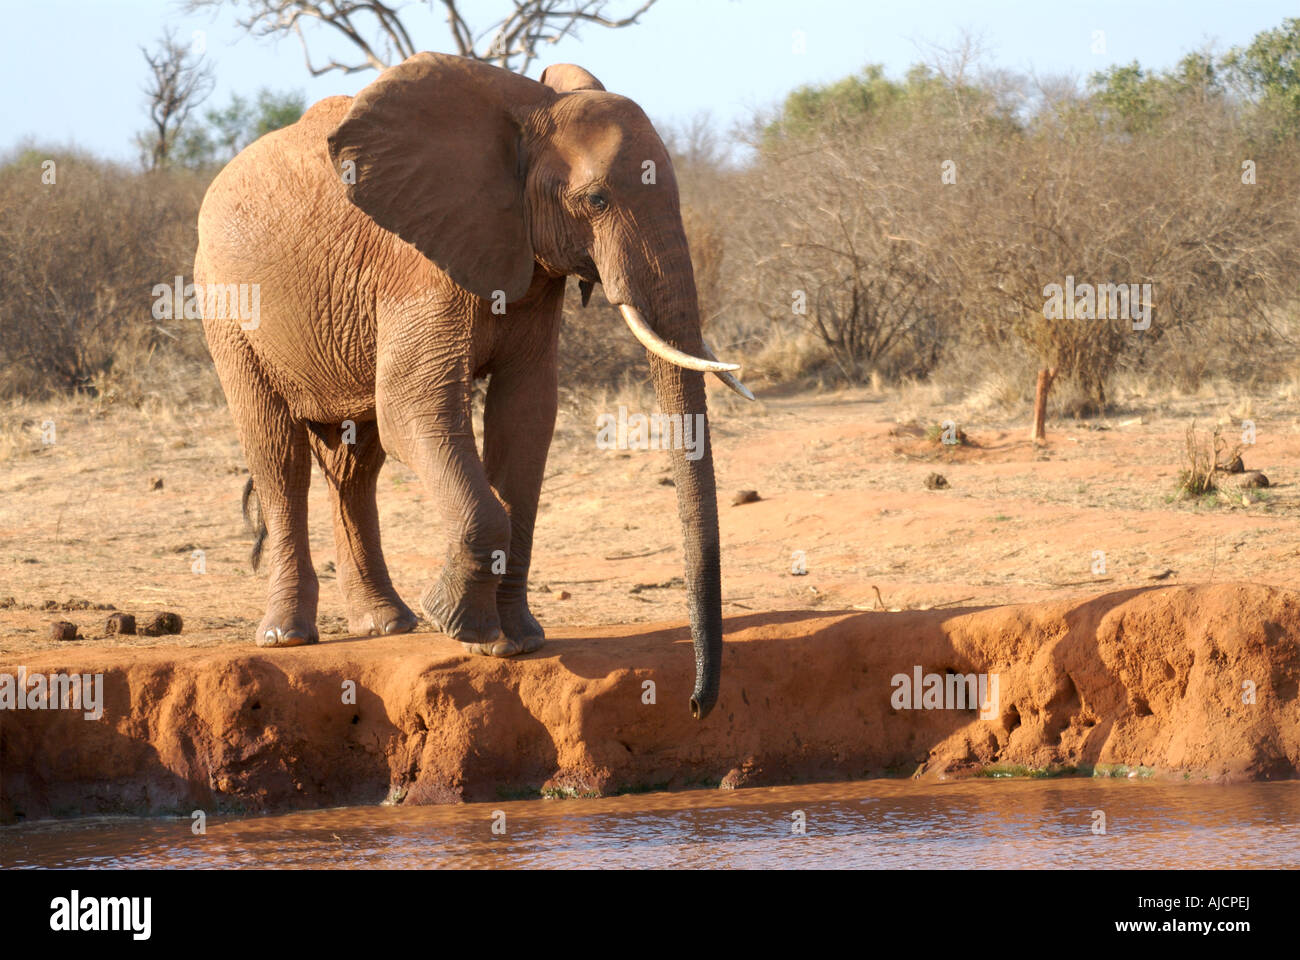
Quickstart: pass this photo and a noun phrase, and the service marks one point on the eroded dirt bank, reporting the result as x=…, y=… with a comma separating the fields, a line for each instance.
x=1151, y=678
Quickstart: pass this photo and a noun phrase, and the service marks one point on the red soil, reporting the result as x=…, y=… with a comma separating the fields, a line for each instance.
x=1148, y=677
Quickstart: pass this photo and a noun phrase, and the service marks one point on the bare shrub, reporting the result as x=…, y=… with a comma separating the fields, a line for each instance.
x=79, y=258
x=832, y=249
x=930, y=222
x=1200, y=458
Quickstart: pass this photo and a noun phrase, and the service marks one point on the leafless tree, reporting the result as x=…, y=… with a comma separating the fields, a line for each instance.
x=375, y=29
x=179, y=81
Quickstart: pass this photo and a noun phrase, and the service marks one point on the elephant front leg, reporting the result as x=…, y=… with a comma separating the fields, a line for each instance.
x=432, y=432
x=462, y=602
x=518, y=422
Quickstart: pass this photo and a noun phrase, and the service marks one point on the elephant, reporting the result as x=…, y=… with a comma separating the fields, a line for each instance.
x=403, y=244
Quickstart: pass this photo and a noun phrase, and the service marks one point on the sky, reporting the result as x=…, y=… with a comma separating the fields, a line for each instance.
x=73, y=71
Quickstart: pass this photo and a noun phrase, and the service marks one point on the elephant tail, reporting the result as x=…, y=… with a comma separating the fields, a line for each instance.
x=250, y=505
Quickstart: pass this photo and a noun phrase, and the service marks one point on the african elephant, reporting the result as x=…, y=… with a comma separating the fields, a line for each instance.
x=404, y=243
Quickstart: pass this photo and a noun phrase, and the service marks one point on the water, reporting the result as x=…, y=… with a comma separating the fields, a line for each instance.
x=870, y=824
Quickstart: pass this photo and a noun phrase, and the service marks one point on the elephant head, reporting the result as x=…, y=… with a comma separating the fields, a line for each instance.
x=493, y=176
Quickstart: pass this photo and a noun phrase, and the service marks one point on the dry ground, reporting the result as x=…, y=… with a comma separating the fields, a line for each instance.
x=841, y=476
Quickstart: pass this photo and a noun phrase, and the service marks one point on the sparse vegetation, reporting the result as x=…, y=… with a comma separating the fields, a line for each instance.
x=924, y=258
x=1204, y=458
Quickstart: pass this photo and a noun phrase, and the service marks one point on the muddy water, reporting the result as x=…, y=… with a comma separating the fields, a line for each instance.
x=973, y=823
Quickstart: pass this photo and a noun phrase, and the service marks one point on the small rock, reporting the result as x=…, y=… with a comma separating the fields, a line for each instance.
x=936, y=481
x=162, y=622
x=155, y=483
x=739, y=776
x=121, y=623
x=62, y=630
x=564, y=595
x=745, y=496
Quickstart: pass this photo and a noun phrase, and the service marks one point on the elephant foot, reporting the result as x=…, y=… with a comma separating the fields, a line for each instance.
x=504, y=647
x=467, y=614
x=523, y=634
x=388, y=617
x=287, y=630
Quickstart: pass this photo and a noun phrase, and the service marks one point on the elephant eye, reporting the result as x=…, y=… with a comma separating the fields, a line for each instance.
x=597, y=200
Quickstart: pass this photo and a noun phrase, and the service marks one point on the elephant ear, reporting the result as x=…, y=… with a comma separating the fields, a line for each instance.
x=564, y=77
x=433, y=150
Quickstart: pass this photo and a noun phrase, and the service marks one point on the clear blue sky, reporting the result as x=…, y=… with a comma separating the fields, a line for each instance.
x=72, y=70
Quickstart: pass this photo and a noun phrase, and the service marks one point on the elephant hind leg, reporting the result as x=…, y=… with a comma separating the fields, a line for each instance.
x=275, y=446
x=350, y=460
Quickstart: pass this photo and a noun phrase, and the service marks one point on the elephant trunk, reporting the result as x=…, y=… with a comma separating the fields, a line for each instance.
x=661, y=309
x=682, y=392
x=674, y=319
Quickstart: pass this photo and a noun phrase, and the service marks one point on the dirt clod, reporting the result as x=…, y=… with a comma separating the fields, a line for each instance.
x=62, y=630
x=120, y=623
x=160, y=623
x=1234, y=465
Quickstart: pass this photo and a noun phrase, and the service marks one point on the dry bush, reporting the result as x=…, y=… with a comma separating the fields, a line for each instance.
x=78, y=261
x=789, y=356
x=835, y=244
x=708, y=249
x=902, y=272
x=1168, y=209
x=1201, y=458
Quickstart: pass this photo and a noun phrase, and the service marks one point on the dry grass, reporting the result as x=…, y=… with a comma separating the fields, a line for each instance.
x=1203, y=458
x=79, y=258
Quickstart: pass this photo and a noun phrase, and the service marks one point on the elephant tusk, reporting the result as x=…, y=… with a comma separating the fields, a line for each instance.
x=729, y=379
x=656, y=345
